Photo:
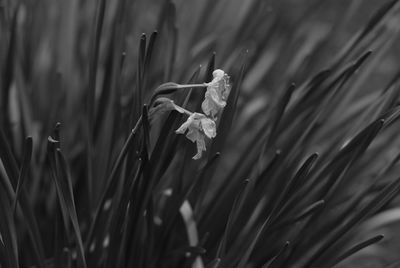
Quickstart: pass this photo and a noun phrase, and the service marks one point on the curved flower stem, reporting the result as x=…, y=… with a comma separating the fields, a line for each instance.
x=182, y=110
x=171, y=89
x=191, y=85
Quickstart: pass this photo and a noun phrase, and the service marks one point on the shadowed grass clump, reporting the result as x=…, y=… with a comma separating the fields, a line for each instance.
x=303, y=170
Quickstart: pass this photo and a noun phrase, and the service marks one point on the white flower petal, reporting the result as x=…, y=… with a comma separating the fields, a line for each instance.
x=198, y=127
x=209, y=127
x=201, y=146
x=184, y=126
x=216, y=95
x=194, y=135
x=218, y=73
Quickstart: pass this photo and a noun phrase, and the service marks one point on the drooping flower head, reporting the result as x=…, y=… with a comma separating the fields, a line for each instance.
x=217, y=94
x=198, y=127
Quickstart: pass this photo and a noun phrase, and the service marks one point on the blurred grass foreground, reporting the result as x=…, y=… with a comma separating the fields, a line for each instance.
x=104, y=105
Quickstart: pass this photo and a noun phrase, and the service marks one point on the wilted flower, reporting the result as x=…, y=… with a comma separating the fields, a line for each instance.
x=198, y=127
x=217, y=94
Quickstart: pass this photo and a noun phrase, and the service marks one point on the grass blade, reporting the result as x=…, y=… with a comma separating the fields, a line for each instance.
x=357, y=248
x=27, y=154
x=63, y=184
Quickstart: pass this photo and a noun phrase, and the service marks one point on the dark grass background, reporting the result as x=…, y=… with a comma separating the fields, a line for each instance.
x=303, y=171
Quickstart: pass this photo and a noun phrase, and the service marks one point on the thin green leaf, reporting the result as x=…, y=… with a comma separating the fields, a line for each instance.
x=63, y=184
x=356, y=248
x=27, y=154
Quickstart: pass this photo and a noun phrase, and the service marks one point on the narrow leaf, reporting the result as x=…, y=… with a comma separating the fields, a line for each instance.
x=27, y=154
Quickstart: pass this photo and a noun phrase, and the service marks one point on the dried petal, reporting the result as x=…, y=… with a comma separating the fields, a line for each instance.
x=201, y=146
x=208, y=127
x=198, y=127
x=217, y=93
x=182, y=129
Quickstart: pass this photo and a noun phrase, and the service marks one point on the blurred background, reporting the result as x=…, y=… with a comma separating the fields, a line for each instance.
x=284, y=40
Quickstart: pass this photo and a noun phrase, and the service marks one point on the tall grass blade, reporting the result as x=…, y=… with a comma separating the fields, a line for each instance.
x=63, y=184
x=357, y=248
x=27, y=154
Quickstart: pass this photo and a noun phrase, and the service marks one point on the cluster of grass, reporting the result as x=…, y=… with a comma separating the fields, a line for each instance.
x=91, y=176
